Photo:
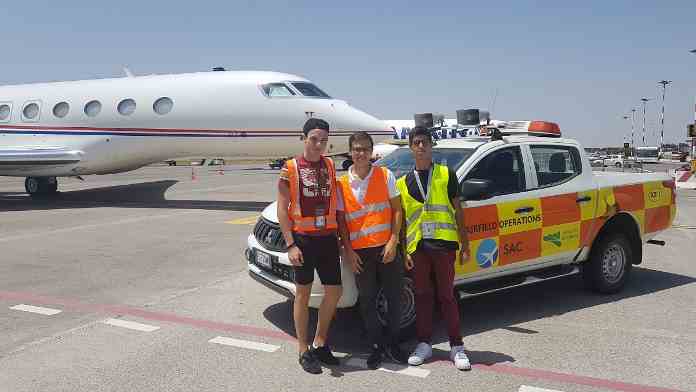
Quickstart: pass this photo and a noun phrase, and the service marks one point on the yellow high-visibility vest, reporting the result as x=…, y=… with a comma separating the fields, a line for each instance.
x=434, y=219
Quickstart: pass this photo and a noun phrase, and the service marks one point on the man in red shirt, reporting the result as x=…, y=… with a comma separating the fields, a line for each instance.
x=307, y=204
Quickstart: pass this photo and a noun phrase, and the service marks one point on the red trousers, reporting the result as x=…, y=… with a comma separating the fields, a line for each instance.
x=441, y=264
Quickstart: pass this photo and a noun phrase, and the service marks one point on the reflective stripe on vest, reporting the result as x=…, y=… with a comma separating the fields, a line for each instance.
x=307, y=224
x=433, y=219
x=369, y=223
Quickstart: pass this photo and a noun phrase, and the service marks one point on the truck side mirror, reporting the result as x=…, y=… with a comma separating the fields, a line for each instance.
x=475, y=189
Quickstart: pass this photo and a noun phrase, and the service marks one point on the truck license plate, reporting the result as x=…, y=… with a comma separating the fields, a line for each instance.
x=263, y=259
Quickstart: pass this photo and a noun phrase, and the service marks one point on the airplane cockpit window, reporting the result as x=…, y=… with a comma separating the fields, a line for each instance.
x=277, y=90
x=309, y=90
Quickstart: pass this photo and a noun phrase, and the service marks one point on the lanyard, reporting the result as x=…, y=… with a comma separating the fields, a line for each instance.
x=420, y=185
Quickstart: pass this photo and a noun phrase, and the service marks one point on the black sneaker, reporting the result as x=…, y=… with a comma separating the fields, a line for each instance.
x=309, y=363
x=324, y=355
x=375, y=358
x=395, y=353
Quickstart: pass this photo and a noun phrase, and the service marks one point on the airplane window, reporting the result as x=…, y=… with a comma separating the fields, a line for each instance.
x=5, y=112
x=126, y=107
x=31, y=111
x=163, y=105
x=277, y=90
x=92, y=108
x=310, y=90
x=61, y=109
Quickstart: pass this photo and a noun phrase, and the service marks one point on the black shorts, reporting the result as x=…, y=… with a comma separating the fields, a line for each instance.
x=320, y=253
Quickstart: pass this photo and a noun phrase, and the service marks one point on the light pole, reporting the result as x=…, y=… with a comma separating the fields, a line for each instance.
x=664, y=84
x=645, y=101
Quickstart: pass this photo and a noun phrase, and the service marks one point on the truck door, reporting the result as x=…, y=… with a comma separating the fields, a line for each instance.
x=505, y=229
x=567, y=200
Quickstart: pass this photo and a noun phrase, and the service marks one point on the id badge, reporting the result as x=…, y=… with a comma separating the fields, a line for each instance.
x=428, y=230
x=319, y=218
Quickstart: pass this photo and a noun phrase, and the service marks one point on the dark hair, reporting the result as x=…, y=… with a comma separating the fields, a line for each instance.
x=417, y=131
x=359, y=136
x=315, y=123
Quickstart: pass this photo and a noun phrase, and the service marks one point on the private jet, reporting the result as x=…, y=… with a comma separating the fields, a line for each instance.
x=105, y=126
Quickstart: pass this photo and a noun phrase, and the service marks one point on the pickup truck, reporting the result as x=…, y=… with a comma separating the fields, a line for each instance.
x=534, y=211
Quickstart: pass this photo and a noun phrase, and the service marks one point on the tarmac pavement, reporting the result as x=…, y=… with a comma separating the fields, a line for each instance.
x=147, y=272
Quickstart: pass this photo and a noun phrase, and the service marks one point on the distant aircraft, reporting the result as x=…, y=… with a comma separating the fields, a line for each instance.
x=104, y=126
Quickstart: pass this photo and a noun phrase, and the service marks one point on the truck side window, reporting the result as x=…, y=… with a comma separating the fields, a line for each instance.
x=505, y=170
x=555, y=164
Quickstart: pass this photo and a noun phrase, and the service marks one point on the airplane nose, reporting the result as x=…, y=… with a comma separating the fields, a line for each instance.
x=353, y=119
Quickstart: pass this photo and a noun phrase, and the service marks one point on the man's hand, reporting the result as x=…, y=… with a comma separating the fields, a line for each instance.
x=295, y=256
x=354, y=260
x=389, y=252
x=464, y=253
x=408, y=262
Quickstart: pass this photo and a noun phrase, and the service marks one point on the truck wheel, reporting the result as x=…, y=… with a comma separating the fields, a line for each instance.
x=609, y=265
x=618, y=164
x=408, y=309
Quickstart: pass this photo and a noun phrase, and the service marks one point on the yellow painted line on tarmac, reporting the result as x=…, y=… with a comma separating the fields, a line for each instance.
x=248, y=220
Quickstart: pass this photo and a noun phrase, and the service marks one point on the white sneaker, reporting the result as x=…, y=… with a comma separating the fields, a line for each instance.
x=458, y=356
x=422, y=352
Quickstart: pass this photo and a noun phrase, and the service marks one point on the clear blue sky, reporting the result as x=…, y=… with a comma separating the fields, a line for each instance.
x=582, y=65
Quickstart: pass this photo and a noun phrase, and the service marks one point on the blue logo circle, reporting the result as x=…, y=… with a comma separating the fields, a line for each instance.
x=487, y=253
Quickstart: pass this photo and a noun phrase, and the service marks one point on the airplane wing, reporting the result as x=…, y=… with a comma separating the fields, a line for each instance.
x=39, y=156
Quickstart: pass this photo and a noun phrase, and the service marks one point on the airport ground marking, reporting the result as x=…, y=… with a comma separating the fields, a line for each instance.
x=130, y=325
x=269, y=348
x=248, y=220
x=390, y=368
x=36, y=309
x=527, y=388
x=500, y=368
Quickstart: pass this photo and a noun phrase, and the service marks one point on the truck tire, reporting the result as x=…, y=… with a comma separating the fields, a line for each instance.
x=609, y=265
x=408, y=309
x=618, y=164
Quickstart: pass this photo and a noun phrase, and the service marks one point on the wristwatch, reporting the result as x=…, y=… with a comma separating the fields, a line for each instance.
x=287, y=248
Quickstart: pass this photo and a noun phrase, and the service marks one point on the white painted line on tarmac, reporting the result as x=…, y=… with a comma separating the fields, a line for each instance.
x=93, y=226
x=269, y=348
x=526, y=388
x=390, y=368
x=130, y=325
x=36, y=309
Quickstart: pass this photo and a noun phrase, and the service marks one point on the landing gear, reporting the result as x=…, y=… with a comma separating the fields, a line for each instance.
x=40, y=186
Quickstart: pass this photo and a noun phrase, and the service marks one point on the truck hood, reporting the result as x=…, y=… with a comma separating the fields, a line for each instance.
x=271, y=212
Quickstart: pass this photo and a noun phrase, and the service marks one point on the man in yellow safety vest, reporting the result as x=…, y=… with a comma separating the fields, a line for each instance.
x=435, y=230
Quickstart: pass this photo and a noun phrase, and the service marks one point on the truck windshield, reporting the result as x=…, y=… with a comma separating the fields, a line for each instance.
x=401, y=161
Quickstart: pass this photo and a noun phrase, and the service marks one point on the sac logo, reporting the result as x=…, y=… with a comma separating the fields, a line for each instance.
x=512, y=248
x=487, y=253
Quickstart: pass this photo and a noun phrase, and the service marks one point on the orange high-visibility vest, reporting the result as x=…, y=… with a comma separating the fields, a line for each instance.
x=369, y=223
x=308, y=224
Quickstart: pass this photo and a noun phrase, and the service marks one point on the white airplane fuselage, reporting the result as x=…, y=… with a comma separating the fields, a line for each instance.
x=224, y=113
